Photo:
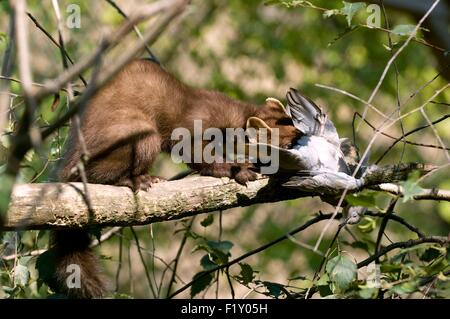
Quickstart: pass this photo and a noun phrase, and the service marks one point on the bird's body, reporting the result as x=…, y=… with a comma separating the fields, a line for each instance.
x=315, y=153
x=316, y=161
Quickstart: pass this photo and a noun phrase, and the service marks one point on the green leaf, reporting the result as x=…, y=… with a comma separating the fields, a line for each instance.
x=45, y=265
x=368, y=293
x=350, y=9
x=404, y=288
x=275, y=289
x=342, y=271
x=366, y=200
x=410, y=189
x=324, y=291
x=304, y=284
x=25, y=260
x=246, y=275
x=21, y=275
x=3, y=41
x=324, y=280
x=5, y=191
x=431, y=254
x=390, y=268
x=404, y=29
x=367, y=225
x=207, y=221
x=206, y=263
x=223, y=246
x=200, y=284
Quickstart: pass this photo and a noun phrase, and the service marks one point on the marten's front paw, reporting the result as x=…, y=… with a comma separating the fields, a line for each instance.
x=141, y=182
x=245, y=175
x=217, y=170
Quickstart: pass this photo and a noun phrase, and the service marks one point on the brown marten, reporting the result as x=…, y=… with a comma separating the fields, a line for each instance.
x=126, y=125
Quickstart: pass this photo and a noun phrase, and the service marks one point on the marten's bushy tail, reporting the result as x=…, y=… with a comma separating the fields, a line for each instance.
x=71, y=256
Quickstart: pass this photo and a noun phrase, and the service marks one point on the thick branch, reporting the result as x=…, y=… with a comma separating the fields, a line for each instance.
x=51, y=206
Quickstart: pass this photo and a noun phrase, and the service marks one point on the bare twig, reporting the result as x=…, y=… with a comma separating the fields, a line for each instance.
x=399, y=220
x=172, y=7
x=32, y=205
x=110, y=233
x=6, y=73
x=312, y=221
x=136, y=30
x=384, y=222
x=49, y=36
x=144, y=264
x=396, y=54
x=404, y=244
x=383, y=127
x=426, y=194
x=178, y=256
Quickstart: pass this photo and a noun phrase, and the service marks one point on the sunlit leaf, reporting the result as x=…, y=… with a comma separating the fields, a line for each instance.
x=404, y=29
x=350, y=9
x=404, y=288
x=21, y=275
x=366, y=199
x=224, y=246
x=342, y=271
x=367, y=225
x=410, y=189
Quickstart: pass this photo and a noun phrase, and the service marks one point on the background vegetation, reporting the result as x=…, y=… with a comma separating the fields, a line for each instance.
x=251, y=50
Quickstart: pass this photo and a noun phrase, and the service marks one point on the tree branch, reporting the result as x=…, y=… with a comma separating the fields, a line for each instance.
x=58, y=205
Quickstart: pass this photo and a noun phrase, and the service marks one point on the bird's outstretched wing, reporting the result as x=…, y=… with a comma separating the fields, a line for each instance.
x=308, y=117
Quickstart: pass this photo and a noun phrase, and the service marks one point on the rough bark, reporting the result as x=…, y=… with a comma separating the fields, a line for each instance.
x=58, y=205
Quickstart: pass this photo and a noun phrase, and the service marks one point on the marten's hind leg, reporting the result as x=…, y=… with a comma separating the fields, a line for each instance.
x=143, y=152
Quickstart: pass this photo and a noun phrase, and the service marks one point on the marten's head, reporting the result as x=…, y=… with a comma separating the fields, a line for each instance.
x=273, y=116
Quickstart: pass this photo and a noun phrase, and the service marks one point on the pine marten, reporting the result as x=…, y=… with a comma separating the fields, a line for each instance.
x=125, y=126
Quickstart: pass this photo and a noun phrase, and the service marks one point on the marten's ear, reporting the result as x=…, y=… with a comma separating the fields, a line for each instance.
x=276, y=104
x=257, y=123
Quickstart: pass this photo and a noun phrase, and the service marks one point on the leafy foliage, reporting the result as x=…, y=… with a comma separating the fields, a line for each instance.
x=251, y=51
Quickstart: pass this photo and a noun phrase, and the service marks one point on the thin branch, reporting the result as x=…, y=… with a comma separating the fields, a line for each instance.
x=365, y=154
x=399, y=220
x=397, y=53
x=417, y=129
x=425, y=194
x=49, y=36
x=355, y=98
x=136, y=30
x=309, y=223
x=172, y=7
x=119, y=266
x=149, y=280
x=384, y=222
x=33, y=205
x=178, y=256
x=110, y=233
x=6, y=73
x=404, y=244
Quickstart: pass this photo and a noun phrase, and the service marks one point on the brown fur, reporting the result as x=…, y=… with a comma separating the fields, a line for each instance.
x=130, y=121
